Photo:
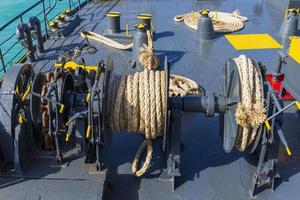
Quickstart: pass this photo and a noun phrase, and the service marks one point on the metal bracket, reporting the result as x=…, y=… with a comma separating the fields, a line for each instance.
x=174, y=144
x=266, y=172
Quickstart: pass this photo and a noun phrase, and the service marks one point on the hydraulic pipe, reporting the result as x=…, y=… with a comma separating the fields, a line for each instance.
x=23, y=34
x=36, y=31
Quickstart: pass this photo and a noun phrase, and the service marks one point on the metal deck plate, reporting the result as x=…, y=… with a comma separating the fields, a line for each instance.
x=208, y=172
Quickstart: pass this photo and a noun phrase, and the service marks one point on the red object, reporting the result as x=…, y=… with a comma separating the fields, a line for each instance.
x=283, y=94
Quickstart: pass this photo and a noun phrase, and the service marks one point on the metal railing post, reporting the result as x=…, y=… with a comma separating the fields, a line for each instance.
x=2, y=61
x=21, y=18
x=70, y=6
x=79, y=4
x=45, y=19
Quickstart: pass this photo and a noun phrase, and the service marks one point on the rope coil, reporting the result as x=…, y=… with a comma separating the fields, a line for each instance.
x=137, y=104
x=105, y=40
x=223, y=22
x=250, y=113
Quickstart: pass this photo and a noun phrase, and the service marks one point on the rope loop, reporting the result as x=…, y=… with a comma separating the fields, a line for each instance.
x=145, y=146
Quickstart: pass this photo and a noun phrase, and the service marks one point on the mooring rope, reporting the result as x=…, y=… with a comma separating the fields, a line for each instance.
x=147, y=57
x=105, y=40
x=223, y=22
x=137, y=104
x=250, y=113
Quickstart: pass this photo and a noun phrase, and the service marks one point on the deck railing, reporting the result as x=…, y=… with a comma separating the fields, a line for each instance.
x=11, y=51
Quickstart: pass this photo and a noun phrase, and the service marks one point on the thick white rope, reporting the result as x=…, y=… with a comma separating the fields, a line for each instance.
x=102, y=39
x=137, y=104
x=223, y=22
x=147, y=57
x=250, y=113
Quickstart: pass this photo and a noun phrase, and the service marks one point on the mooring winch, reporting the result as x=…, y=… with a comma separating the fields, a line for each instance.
x=85, y=103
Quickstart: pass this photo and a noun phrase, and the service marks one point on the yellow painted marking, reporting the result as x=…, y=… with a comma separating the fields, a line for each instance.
x=146, y=14
x=252, y=41
x=68, y=135
x=17, y=90
x=193, y=14
x=24, y=57
x=53, y=23
x=88, y=132
x=113, y=14
x=140, y=26
x=20, y=120
x=68, y=122
x=204, y=12
x=73, y=65
x=298, y=105
x=143, y=17
x=268, y=125
x=60, y=17
x=24, y=97
x=67, y=11
x=291, y=10
x=88, y=97
x=294, y=51
x=127, y=30
x=62, y=108
x=288, y=151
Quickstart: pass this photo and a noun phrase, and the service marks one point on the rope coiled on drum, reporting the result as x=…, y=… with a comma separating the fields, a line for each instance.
x=250, y=113
x=137, y=104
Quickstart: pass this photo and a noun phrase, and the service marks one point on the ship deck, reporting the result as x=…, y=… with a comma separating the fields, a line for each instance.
x=208, y=172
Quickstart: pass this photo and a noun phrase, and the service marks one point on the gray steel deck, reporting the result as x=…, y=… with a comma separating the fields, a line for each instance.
x=208, y=172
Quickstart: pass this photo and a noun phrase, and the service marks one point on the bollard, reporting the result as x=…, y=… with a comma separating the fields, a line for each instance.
x=114, y=25
x=205, y=26
x=139, y=39
x=289, y=25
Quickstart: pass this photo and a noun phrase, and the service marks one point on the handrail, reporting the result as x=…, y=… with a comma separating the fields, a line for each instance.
x=19, y=15
x=10, y=43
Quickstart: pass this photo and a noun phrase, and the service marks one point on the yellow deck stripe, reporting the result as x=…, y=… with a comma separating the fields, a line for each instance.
x=252, y=41
x=294, y=51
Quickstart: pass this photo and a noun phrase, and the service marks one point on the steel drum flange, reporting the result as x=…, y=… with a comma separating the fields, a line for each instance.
x=229, y=129
x=15, y=114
